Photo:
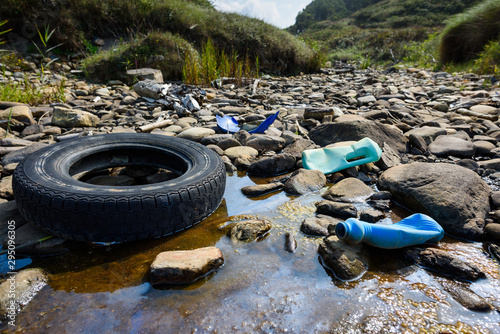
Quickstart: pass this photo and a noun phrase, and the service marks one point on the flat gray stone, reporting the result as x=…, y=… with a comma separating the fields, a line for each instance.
x=304, y=181
x=184, y=267
x=449, y=145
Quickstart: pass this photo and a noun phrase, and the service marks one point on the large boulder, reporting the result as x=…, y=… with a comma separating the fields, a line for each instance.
x=328, y=133
x=456, y=197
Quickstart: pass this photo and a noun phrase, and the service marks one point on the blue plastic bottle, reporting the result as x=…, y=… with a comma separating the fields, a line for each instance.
x=413, y=230
x=332, y=159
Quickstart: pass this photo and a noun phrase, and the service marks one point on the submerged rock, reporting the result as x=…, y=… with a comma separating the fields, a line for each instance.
x=249, y=230
x=345, y=260
x=290, y=243
x=184, y=267
x=465, y=296
x=445, y=263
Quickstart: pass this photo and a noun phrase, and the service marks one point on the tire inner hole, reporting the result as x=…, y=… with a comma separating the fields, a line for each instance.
x=127, y=167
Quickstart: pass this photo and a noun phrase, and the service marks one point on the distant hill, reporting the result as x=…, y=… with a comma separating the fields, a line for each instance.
x=331, y=10
x=373, y=30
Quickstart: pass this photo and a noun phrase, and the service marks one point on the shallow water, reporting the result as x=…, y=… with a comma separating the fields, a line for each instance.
x=260, y=289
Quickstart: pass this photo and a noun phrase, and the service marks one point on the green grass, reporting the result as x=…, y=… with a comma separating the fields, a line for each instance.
x=29, y=93
x=194, y=22
x=467, y=34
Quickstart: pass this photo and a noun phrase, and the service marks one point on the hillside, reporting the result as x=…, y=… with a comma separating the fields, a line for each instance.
x=181, y=28
x=377, y=31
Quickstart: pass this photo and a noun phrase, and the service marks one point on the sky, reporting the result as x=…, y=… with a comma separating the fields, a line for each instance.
x=280, y=13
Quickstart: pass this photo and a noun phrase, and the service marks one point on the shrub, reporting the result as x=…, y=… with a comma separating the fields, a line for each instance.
x=467, y=34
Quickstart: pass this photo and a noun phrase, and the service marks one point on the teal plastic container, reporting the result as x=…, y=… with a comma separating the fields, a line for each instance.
x=332, y=159
x=413, y=230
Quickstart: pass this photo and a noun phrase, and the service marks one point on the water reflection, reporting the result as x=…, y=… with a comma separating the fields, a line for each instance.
x=261, y=287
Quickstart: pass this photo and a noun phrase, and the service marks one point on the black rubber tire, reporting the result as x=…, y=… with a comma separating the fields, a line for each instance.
x=48, y=195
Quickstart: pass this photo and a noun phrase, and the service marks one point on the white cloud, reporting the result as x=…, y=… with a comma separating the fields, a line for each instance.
x=279, y=13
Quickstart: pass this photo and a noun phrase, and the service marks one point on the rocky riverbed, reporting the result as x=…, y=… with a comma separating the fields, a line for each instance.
x=439, y=135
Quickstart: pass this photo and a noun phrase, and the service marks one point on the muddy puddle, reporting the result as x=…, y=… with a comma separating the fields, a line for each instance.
x=260, y=289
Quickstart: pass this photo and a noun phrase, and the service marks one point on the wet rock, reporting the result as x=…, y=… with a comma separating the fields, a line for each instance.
x=336, y=209
x=265, y=142
x=465, y=296
x=241, y=152
x=445, y=263
x=318, y=226
x=290, y=243
x=70, y=118
x=448, y=193
x=383, y=205
x=249, y=230
x=381, y=195
x=328, y=133
x=492, y=231
x=298, y=146
x=6, y=188
x=19, y=155
x=448, y=145
x=184, y=267
x=19, y=113
x=23, y=286
x=371, y=216
x=261, y=189
x=345, y=260
x=196, y=134
x=274, y=165
x=495, y=250
x=350, y=189
x=304, y=181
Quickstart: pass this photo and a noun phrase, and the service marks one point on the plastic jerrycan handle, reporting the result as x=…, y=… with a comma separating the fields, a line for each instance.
x=365, y=148
x=332, y=159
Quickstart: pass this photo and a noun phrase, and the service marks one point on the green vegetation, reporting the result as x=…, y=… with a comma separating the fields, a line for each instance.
x=409, y=13
x=32, y=94
x=466, y=35
x=187, y=24
x=163, y=51
x=389, y=31
x=215, y=64
x=327, y=10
